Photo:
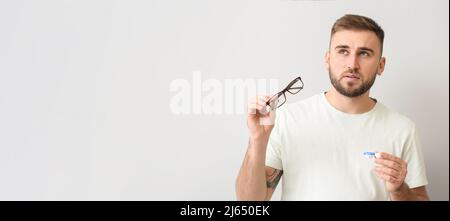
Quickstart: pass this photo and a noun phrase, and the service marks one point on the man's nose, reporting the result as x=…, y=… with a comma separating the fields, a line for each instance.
x=352, y=63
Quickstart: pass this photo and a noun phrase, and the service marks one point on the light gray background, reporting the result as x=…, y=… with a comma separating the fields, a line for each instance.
x=84, y=89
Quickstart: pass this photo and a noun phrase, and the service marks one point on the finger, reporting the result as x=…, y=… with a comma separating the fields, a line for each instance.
x=262, y=101
x=386, y=177
x=389, y=163
x=263, y=98
x=259, y=107
x=269, y=119
x=394, y=158
x=387, y=156
x=262, y=108
x=253, y=108
x=389, y=172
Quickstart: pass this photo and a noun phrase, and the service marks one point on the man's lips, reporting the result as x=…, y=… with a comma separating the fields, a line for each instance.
x=351, y=76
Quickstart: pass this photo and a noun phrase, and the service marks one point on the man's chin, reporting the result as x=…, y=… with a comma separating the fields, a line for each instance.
x=350, y=93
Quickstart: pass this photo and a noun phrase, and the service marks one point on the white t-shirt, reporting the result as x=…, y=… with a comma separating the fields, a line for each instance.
x=320, y=150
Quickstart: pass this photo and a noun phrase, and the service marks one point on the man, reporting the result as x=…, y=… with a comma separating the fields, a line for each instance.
x=317, y=145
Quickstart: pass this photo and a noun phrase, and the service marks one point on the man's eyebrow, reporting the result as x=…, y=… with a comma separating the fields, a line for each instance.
x=366, y=49
x=342, y=46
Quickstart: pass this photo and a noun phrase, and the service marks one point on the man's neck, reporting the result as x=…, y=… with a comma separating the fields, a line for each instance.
x=350, y=105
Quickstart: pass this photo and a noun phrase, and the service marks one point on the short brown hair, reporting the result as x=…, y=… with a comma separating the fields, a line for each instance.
x=359, y=23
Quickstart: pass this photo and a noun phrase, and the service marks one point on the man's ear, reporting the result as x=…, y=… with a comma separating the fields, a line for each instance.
x=381, y=65
x=327, y=60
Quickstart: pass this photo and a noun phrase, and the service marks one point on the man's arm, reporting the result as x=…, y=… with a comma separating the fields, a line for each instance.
x=251, y=180
x=255, y=180
x=273, y=177
x=406, y=193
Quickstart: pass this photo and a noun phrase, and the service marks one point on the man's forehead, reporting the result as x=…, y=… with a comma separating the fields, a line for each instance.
x=355, y=39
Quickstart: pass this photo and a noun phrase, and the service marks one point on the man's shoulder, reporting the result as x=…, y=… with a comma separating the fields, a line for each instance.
x=394, y=117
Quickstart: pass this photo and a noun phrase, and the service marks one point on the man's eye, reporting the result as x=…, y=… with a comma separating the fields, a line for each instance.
x=364, y=53
x=342, y=51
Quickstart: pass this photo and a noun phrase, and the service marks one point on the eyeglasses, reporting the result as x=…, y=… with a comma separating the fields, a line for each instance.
x=280, y=98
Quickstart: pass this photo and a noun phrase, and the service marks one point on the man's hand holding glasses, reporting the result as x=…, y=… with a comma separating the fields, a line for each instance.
x=261, y=110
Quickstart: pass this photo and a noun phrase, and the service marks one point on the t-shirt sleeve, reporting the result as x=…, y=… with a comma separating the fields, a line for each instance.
x=412, y=154
x=274, y=146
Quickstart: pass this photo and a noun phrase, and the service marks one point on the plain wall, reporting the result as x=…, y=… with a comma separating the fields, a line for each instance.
x=85, y=89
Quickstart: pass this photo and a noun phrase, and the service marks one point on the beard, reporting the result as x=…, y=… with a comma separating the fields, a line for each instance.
x=351, y=90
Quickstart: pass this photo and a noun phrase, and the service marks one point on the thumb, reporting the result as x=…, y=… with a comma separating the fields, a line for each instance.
x=268, y=119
